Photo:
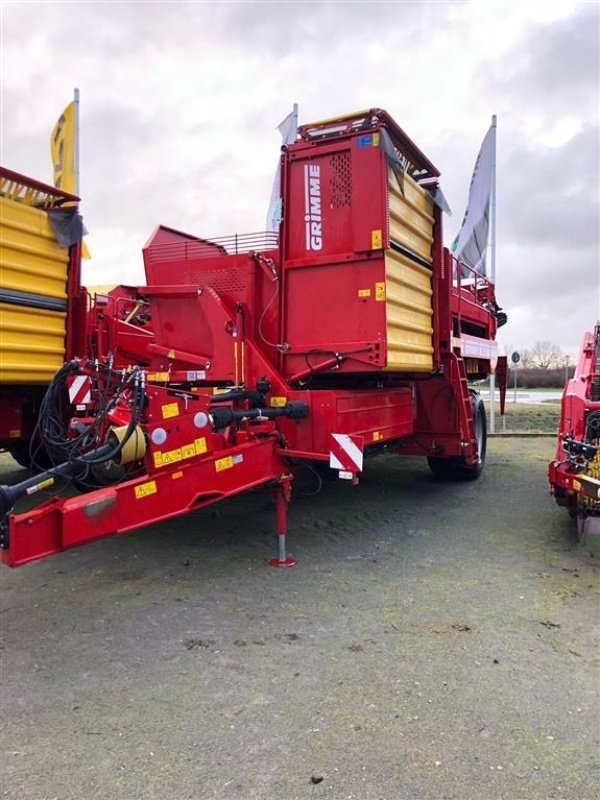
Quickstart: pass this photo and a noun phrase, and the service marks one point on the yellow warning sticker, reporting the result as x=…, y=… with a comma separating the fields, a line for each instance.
x=170, y=410
x=172, y=457
x=380, y=292
x=14, y=434
x=176, y=475
x=44, y=484
x=376, y=436
x=171, y=354
x=188, y=450
x=160, y=377
x=376, y=239
x=364, y=293
x=278, y=402
x=224, y=463
x=376, y=139
x=195, y=448
x=145, y=489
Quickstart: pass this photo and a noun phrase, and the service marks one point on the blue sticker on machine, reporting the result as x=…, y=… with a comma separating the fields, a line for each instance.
x=364, y=141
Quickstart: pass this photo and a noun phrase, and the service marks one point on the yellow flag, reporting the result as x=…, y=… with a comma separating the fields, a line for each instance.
x=62, y=150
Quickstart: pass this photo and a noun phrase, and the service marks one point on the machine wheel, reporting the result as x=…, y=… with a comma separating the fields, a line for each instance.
x=20, y=451
x=454, y=468
x=588, y=531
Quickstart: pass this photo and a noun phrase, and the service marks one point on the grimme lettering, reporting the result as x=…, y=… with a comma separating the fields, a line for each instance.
x=312, y=207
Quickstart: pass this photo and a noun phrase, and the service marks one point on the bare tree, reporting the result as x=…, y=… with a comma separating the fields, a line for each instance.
x=543, y=355
x=526, y=360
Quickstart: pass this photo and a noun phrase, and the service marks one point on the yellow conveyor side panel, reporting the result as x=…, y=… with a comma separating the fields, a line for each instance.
x=32, y=344
x=30, y=258
x=409, y=314
x=411, y=216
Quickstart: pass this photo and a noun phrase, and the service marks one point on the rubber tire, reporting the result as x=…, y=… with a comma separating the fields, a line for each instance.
x=20, y=452
x=454, y=468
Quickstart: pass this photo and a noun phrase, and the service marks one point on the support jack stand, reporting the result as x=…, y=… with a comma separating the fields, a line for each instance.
x=282, y=495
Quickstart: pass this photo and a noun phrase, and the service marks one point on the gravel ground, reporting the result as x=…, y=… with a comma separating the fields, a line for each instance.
x=433, y=642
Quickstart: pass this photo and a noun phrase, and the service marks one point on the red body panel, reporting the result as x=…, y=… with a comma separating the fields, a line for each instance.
x=335, y=195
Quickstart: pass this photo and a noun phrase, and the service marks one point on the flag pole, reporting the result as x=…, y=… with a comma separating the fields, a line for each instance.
x=76, y=101
x=493, y=210
x=493, y=268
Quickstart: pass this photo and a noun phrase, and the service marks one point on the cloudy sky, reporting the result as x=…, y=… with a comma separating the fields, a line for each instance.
x=180, y=101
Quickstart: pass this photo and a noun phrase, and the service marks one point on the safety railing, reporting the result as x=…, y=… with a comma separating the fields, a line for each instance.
x=29, y=192
x=186, y=249
x=469, y=283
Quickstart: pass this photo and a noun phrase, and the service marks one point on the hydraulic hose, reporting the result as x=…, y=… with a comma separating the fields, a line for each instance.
x=222, y=417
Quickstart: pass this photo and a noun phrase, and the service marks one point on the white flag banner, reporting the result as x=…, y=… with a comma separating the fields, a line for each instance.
x=470, y=245
x=288, y=130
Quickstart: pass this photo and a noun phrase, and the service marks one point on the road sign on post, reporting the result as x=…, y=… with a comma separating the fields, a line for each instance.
x=515, y=358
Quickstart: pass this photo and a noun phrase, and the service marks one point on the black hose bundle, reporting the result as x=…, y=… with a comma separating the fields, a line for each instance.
x=51, y=434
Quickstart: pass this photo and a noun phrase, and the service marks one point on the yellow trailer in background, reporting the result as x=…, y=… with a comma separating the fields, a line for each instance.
x=42, y=307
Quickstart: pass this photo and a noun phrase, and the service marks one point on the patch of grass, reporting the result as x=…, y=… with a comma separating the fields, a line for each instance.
x=526, y=417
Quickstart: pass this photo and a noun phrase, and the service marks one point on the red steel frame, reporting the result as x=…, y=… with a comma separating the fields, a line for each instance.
x=218, y=311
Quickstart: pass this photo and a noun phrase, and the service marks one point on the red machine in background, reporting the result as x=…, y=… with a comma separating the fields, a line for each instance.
x=574, y=473
x=352, y=332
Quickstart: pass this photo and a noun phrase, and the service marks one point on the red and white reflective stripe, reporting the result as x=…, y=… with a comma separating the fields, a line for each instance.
x=80, y=390
x=346, y=452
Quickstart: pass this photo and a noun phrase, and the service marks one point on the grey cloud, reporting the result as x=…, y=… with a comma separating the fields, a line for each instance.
x=124, y=29
x=554, y=68
x=267, y=29
x=174, y=198
x=551, y=195
x=17, y=139
x=540, y=275
x=557, y=292
x=281, y=28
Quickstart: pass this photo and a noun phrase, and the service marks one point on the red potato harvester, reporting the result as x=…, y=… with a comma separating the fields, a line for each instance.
x=574, y=472
x=245, y=358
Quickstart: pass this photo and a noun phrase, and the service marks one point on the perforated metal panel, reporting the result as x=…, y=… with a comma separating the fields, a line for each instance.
x=340, y=180
x=228, y=279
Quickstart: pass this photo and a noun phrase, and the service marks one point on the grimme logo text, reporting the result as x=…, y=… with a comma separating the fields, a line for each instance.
x=312, y=207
